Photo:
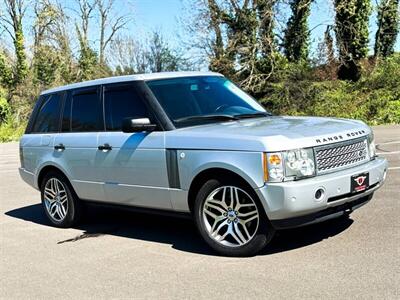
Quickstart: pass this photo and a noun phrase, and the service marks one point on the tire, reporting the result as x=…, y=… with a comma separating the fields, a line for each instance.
x=60, y=203
x=231, y=231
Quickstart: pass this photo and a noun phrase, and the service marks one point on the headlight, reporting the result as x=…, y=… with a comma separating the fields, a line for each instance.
x=299, y=163
x=293, y=164
x=371, y=146
x=274, y=167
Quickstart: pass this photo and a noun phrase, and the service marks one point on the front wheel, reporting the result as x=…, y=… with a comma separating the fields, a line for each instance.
x=230, y=218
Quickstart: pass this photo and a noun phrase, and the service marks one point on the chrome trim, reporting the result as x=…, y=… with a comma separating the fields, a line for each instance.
x=337, y=145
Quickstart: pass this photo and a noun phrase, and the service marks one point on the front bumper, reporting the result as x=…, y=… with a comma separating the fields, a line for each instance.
x=294, y=200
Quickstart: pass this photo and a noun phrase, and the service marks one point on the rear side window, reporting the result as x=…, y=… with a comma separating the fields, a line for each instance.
x=48, y=116
x=122, y=102
x=86, y=111
x=66, y=117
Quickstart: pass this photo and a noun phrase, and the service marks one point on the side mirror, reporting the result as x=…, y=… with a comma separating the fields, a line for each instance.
x=137, y=125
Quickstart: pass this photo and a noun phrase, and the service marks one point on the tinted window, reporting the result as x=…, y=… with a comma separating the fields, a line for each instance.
x=120, y=103
x=86, y=112
x=66, y=117
x=204, y=95
x=48, y=116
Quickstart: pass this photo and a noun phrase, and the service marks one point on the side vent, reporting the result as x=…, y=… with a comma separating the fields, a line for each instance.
x=172, y=168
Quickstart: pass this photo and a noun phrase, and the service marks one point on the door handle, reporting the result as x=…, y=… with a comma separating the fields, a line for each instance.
x=105, y=147
x=59, y=147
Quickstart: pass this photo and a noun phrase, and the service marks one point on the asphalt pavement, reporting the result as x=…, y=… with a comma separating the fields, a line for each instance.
x=125, y=255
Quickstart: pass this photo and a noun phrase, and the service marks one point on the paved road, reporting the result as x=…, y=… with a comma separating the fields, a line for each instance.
x=125, y=255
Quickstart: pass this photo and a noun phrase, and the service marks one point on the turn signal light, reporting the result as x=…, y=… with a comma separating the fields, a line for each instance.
x=265, y=167
x=274, y=159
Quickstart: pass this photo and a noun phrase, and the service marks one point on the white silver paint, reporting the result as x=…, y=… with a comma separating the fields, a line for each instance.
x=134, y=172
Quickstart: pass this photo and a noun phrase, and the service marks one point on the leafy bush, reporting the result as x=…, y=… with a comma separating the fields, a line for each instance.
x=11, y=129
x=375, y=99
x=11, y=126
x=5, y=108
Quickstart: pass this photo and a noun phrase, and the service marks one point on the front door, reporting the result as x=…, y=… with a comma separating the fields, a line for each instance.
x=133, y=164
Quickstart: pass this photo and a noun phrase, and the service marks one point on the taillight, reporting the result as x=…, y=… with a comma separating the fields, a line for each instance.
x=21, y=156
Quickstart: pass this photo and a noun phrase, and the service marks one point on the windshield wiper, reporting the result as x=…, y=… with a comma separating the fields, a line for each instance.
x=207, y=118
x=253, y=115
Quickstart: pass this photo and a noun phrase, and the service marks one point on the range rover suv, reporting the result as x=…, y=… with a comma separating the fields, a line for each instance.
x=195, y=143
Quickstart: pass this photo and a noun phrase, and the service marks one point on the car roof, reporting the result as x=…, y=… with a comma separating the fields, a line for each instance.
x=136, y=77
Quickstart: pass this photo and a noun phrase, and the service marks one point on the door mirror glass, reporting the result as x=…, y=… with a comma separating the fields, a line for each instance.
x=137, y=125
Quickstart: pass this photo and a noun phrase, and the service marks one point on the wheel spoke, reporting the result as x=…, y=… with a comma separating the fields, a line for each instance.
x=216, y=208
x=251, y=219
x=57, y=188
x=48, y=199
x=49, y=192
x=63, y=199
x=236, y=205
x=59, y=211
x=216, y=221
x=218, y=202
x=239, y=233
x=247, y=205
x=53, y=208
x=53, y=185
x=215, y=232
x=250, y=213
x=231, y=202
x=233, y=234
x=245, y=228
x=224, y=198
x=62, y=211
x=211, y=214
x=222, y=237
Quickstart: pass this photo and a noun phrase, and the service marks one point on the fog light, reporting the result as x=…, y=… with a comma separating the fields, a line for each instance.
x=319, y=194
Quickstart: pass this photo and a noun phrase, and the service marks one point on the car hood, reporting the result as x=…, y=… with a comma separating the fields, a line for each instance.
x=273, y=133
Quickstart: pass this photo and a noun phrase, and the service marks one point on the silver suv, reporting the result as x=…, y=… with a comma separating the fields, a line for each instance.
x=195, y=143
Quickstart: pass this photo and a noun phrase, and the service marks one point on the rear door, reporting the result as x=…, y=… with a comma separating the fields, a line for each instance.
x=77, y=144
x=37, y=144
x=135, y=163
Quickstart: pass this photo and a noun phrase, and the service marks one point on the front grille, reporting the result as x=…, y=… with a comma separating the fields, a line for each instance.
x=341, y=155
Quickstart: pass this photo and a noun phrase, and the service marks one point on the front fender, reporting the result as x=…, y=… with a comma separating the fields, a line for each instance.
x=247, y=165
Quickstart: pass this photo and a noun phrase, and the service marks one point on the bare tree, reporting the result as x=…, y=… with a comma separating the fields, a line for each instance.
x=110, y=22
x=128, y=56
x=85, y=13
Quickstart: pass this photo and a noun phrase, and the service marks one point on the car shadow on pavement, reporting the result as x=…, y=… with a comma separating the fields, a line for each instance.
x=180, y=233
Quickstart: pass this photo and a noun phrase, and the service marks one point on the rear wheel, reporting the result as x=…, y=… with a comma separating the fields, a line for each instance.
x=230, y=218
x=61, y=205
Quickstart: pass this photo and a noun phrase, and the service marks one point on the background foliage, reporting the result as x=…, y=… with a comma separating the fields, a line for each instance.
x=247, y=40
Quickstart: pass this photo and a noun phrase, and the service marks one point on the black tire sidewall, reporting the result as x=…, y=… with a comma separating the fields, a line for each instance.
x=265, y=231
x=73, y=211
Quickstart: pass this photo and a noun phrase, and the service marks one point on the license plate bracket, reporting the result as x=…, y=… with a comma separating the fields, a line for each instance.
x=359, y=182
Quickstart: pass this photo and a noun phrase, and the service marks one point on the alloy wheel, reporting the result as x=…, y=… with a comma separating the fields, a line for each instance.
x=230, y=216
x=56, y=199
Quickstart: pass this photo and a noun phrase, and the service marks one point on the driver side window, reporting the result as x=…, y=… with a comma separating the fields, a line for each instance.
x=121, y=102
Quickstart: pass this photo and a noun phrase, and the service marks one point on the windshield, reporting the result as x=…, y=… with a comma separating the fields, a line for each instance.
x=203, y=99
